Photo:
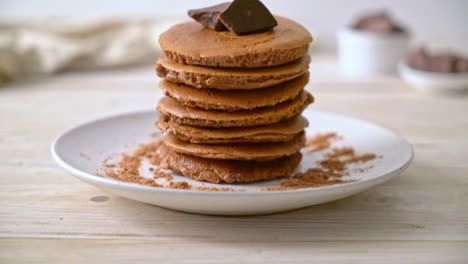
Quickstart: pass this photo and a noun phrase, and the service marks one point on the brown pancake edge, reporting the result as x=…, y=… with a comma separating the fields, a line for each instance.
x=227, y=171
x=173, y=110
x=234, y=100
x=229, y=79
x=245, y=151
x=278, y=132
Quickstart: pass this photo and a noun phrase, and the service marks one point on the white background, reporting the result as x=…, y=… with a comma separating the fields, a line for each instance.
x=430, y=21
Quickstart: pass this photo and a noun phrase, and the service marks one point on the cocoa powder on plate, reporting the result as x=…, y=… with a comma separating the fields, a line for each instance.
x=331, y=169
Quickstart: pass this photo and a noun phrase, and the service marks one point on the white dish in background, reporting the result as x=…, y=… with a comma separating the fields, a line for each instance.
x=83, y=149
x=436, y=82
x=362, y=53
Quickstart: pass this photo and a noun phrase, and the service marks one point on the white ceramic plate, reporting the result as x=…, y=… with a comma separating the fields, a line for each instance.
x=435, y=82
x=82, y=150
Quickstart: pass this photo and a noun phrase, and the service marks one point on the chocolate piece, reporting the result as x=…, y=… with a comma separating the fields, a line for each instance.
x=442, y=62
x=419, y=60
x=380, y=22
x=461, y=65
x=247, y=16
x=209, y=16
x=240, y=16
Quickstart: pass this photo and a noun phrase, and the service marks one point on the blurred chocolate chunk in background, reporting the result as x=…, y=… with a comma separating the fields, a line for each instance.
x=378, y=22
x=447, y=62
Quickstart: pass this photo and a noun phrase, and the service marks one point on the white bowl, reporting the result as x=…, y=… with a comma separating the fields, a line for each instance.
x=364, y=53
x=436, y=82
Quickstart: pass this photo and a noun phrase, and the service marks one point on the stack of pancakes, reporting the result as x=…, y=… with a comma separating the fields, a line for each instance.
x=233, y=104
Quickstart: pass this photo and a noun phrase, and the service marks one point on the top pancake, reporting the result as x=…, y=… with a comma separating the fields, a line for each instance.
x=229, y=79
x=191, y=43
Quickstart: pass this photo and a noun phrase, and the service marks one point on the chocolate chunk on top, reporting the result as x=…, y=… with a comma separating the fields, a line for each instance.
x=247, y=16
x=209, y=16
x=240, y=16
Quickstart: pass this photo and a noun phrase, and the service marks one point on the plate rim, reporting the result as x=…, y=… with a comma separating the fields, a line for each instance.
x=90, y=178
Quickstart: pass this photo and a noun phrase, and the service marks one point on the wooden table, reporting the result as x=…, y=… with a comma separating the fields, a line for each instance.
x=47, y=216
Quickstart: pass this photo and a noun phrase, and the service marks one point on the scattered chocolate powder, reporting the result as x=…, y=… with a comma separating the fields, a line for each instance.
x=343, y=151
x=321, y=141
x=127, y=169
x=330, y=172
x=158, y=173
x=347, y=155
x=206, y=188
x=84, y=156
x=168, y=177
x=331, y=169
x=361, y=158
x=107, y=163
x=155, y=135
x=361, y=170
x=179, y=185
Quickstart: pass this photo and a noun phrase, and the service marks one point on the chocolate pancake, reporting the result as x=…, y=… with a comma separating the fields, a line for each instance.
x=230, y=79
x=234, y=100
x=175, y=111
x=278, y=132
x=228, y=171
x=191, y=43
x=245, y=151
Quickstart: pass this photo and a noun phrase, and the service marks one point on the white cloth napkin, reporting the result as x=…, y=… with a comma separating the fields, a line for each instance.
x=51, y=45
